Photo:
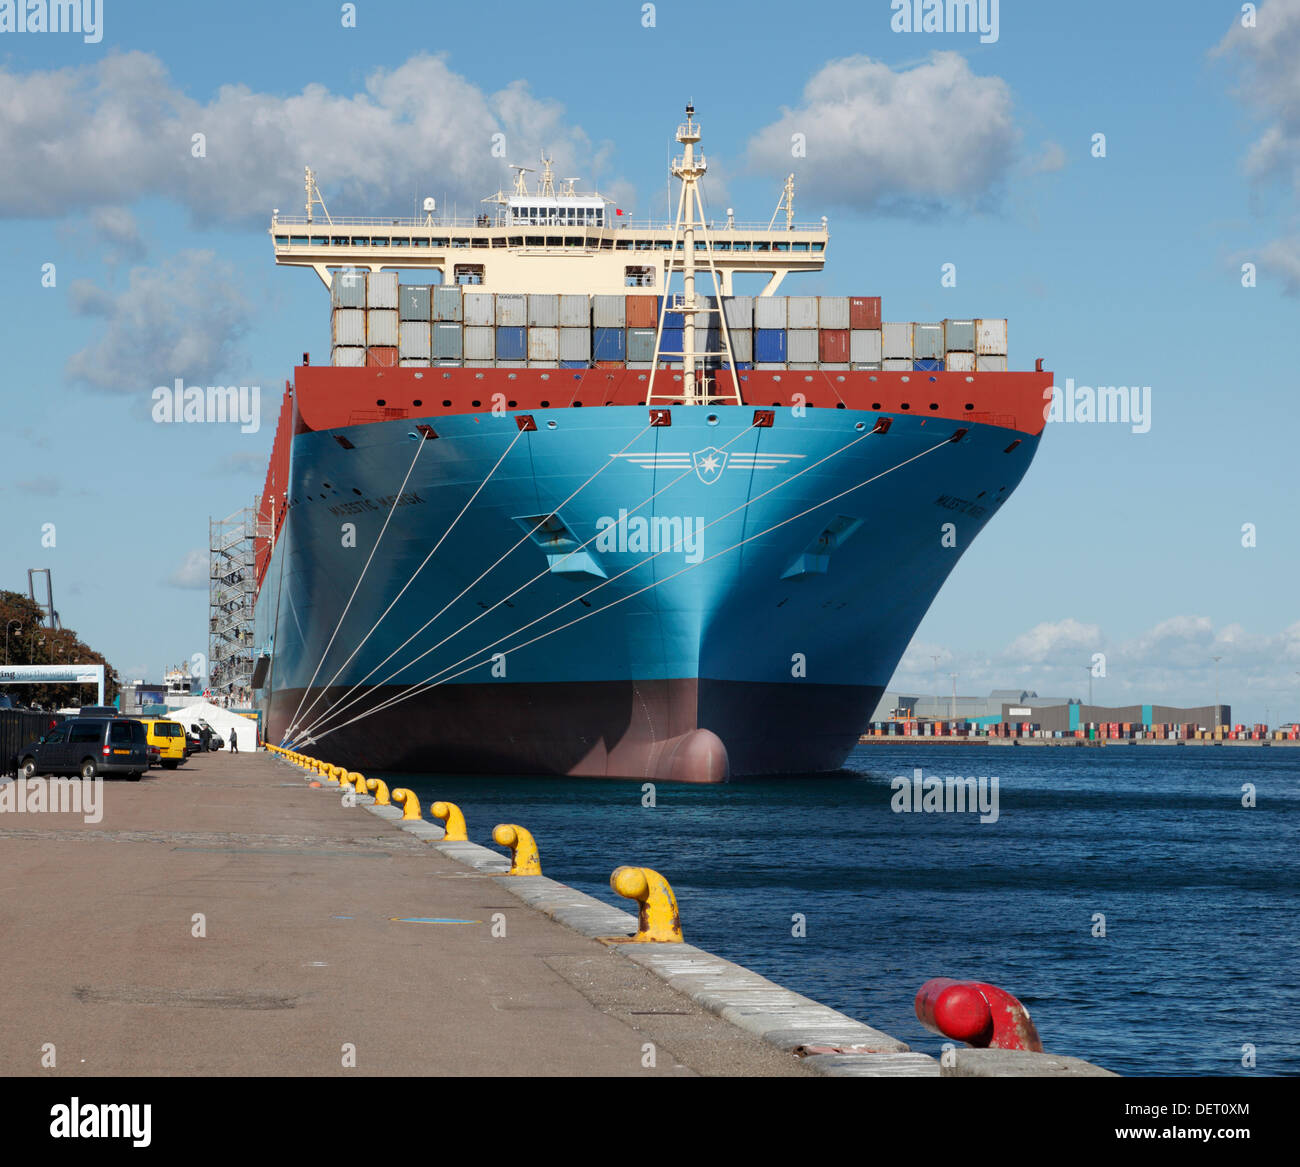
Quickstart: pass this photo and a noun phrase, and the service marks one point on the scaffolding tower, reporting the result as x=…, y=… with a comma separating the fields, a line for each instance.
x=230, y=603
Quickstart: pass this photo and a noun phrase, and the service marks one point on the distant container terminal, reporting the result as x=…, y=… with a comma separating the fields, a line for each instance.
x=1022, y=716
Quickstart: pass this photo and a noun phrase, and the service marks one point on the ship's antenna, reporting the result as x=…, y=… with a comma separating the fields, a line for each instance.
x=314, y=196
x=521, y=187
x=546, y=184
x=568, y=188
x=787, y=201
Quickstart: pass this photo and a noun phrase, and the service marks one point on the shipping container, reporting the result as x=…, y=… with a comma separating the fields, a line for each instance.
x=413, y=302
x=575, y=311
x=414, y=362
x=767, y=365
x=671, y=319
x=544, y=343
x=769, y=313
x=959, y=336
x=801, y=345
x=739, y=311
x=480, y=310
x=864, y=312
x=611, y=364
x=670, y=345
x=640, y=344
x=896, y=341
x=512, y=343
x=833, y=312
x=349, y=326
x=348, y=289
x=382, y=356
x=742, y=344
x=476, y=364
x=864, y=346
x=574, y=364
x=896, y=364
x=575, y=344
x=866, y=366
x=512, y=363
x=381, y=290
x=991, y=338
x=609, y=343
x=448, y=304
x=348, y=357
x=959, y=362
x=834, y=366
x=641, y=311
x=927, y=341
x=512, y=312
x=802, y=366
x=480, y=342
x=381, y=327
x=991, y=364
x=543, y=311
x=833, y=344
x=928, y=365
x=447, y=340
x=769, y=343
x=415, y=339
x=801, y=312
x=609, y=311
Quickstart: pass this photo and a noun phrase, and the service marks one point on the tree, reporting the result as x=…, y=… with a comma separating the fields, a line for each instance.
x=30, y=642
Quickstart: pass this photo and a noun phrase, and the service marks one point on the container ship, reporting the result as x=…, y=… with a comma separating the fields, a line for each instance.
x=559, y=512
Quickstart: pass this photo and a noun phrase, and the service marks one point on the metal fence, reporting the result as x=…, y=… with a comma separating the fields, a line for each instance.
x=18, y=727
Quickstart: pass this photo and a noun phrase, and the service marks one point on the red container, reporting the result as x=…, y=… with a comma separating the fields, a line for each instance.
x=833, y=345
x=864, y=312
x=381, y=357
x=642, y=311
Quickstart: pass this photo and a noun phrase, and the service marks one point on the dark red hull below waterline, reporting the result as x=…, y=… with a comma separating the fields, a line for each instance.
x=669, y=731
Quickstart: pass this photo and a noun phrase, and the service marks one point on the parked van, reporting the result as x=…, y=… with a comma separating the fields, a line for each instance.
x=88, y=746
x=169, y=738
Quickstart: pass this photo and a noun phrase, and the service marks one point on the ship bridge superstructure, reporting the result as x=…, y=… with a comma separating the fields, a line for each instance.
x=546, y=241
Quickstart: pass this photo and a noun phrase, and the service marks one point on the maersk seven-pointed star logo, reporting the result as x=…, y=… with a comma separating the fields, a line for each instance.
x=709, y=464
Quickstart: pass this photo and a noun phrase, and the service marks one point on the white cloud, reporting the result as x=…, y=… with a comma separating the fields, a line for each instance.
x=1281, y=259
x=911, y=141
x=107, y=133
x=118, y=230
x=192, y=572
x=1051, y=641
x=1050, y=160
x=184, y=319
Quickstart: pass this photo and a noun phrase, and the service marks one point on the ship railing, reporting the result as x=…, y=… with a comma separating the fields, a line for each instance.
x=621, y=223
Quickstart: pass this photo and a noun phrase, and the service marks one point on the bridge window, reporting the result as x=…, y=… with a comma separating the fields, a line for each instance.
x=639, y=277
x=340, y=240
x=469, y=273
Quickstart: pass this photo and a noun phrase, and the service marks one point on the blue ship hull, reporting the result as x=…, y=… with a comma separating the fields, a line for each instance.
x=744, y=620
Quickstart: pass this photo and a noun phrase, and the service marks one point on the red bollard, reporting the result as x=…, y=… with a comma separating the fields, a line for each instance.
x=981, y=1015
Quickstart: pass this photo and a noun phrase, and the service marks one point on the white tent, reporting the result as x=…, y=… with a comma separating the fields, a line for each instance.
x=222, y=720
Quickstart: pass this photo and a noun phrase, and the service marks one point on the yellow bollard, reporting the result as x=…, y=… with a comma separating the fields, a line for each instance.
x=337, y=774
x=658, y=918
x=455, y=821
x=356, y=781
x=379, y=788
x=408, y=802
x=523, y=849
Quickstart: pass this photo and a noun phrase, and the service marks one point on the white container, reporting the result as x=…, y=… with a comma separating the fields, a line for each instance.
x=801, y=345
x=769, y=364
x=739, y=311
x=742, y=343
x=480, y=343
x=801, y=312
x=414, y=339
x=867, y=366
x=865, y=346
x=896, y=365
x=414, y=363
x=927, y=342
x=990, y=364
x=543, y=311
x=575, y=312
x=896, y=342
x=512, y=311
x=381, y=327
x=512, y=364
x=480, y=311
x=608, y=311
x=959, y=362
x=381, y=290
x=481, y=364
x=832, y=312
x=575, y=344
x=991, y=338
x=544, y=343
x=348, y=289
x=834, y=366
x=769, y=311
x=349, y=326
x=349, y=357
x=959, y=336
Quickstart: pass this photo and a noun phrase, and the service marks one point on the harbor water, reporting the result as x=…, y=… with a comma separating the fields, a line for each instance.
x=1199, y=894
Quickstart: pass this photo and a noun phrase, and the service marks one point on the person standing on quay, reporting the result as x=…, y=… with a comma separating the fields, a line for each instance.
x=234, y=741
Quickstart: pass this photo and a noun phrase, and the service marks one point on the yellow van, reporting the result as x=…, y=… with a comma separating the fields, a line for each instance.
x=169, y=737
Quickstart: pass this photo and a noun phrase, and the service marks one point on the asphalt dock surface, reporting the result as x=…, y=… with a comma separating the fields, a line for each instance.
x=227, y=919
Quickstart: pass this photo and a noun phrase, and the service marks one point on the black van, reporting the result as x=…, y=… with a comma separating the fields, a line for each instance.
x=89, y=746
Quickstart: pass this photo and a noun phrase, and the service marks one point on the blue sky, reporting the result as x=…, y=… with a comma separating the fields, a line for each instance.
x=923, y=149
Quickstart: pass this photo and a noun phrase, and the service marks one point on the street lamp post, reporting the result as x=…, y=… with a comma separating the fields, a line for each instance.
x=1217, y=659
x=11, y=623
x=954, y=695
x=1089, y=669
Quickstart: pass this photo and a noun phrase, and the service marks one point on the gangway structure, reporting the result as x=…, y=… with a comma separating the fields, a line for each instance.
x=231, y=590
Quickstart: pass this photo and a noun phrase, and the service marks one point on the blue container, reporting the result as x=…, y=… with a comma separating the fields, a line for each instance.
x=927, y=365
x=576, y=364
x=670, y=346
x=674, y=319
x=769, y=345
x=512, y=343
x=610, y=344
x=640, y=344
